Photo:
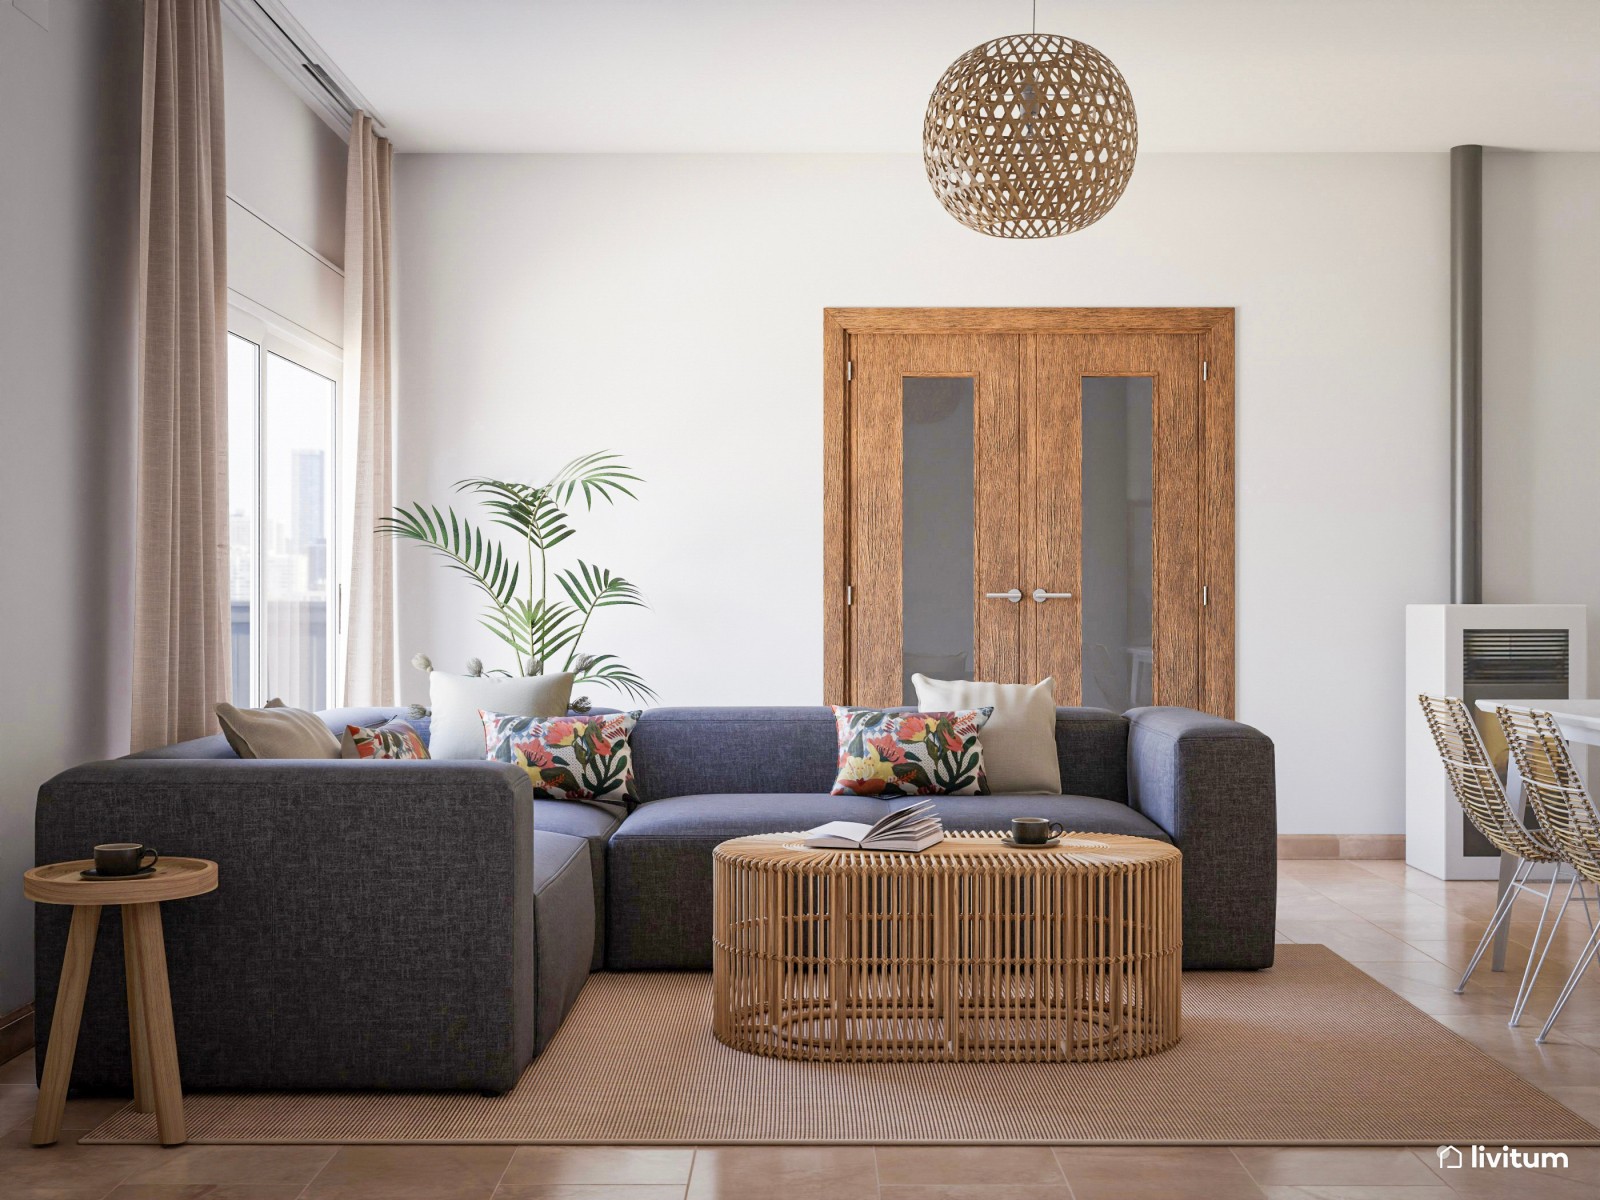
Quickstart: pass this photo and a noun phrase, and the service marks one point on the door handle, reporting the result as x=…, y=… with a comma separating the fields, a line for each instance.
x=1014, y=595
x=1040, y=595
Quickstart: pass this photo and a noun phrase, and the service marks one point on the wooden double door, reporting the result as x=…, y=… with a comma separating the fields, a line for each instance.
x=1015, y=494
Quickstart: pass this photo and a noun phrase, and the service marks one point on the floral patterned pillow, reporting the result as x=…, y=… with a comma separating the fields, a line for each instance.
x=568, y=758
x=392, y=739
x=893, y=754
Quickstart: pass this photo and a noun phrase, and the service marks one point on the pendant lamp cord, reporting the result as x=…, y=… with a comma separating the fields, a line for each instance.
x=1036, y=16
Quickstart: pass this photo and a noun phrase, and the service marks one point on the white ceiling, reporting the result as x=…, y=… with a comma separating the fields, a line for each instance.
x=853, y=76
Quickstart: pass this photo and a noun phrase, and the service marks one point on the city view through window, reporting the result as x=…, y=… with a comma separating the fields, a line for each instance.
x=281, y=522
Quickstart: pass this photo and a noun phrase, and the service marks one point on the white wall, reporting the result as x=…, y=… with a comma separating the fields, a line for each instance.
x=69, y=137
x=1541, y=383
x=669, y=307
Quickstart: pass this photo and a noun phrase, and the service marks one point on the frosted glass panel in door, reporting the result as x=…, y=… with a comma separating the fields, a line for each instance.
x=1117, y=540
x=936, y=555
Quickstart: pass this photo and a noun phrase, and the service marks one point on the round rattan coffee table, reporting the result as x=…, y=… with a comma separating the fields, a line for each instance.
x=972, y=950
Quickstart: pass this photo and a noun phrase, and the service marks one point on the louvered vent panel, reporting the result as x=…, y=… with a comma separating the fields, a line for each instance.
x=1526, y=656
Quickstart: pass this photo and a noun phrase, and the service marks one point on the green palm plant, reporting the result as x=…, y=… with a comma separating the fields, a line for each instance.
x=516, y=582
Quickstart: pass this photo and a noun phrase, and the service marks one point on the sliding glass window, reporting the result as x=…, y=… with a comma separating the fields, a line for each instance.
x=283, y=416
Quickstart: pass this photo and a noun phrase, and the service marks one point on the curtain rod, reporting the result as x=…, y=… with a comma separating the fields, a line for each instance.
x=314, y=68
x=296, y=55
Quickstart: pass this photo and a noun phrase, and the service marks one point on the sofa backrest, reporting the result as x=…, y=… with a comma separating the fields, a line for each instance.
x=711, y=751
x=216, y=746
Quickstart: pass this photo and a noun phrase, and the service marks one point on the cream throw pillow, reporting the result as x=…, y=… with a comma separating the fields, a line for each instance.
x=457, y=730
x=1019, y=741
x=276, y=731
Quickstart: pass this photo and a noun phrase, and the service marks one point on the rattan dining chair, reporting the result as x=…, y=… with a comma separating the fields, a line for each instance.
x=1565, y=811
x=1482, y=796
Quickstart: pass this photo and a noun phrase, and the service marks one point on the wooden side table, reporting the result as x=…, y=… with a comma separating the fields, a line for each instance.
x=156, y=1082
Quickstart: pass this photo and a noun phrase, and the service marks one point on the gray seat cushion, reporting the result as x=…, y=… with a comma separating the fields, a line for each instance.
x=595, y=824
x=726, y=815
x=563, y=902
x=658, y=871
x=1080, y=814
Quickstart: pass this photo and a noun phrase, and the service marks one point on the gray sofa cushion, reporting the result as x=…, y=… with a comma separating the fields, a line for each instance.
x=722, y=816
x=700, y=751
x=563, y=899
x=767, y=751
x=1080, y=814
x=595, y=824
x=658, y=872
x=215, y=746
x=1092, y=744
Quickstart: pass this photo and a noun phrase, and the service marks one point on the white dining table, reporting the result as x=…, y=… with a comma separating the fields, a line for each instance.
x=1579, y=721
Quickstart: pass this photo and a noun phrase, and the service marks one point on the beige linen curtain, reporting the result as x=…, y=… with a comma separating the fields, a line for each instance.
x=180, y=655
x=369, y=595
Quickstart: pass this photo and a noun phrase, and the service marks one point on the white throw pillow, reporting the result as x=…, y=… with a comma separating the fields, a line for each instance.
x=1019, y=741
x=457, y=730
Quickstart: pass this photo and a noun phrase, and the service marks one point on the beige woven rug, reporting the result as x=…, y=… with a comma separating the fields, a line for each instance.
x=1312, y=1052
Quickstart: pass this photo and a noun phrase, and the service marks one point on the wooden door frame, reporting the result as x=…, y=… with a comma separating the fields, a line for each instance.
x=1213, y=326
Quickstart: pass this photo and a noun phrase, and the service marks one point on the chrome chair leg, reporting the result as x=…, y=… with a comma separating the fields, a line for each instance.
x=1578, y=970
x=1501, y=912
x=1530, y=973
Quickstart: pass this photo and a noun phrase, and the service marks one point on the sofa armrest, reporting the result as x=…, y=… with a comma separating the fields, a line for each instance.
x=1209, y=782
x=373, y=926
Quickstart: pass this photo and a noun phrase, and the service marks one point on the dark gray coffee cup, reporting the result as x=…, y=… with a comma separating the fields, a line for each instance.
x=123, y=858
x=1035, y=831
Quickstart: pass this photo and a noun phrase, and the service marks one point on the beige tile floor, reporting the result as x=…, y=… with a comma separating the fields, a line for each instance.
x=1404, y=928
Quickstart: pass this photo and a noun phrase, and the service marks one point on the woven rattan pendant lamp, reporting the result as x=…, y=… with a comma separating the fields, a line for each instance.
x=1030, y=136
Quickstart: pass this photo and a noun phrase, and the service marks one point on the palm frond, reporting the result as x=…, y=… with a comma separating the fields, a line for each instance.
x=604, y=668
x=554, y=626
x=536, y=631
x=461, y=544
x=529, y=512
x=600, y=476
x=507, y=631
x=591, y=587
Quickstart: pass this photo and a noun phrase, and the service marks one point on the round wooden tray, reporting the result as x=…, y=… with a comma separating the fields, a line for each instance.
x=1074, y=852
x=173, y=879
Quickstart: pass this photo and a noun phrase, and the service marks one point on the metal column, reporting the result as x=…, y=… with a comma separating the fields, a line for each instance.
x=1466, y=374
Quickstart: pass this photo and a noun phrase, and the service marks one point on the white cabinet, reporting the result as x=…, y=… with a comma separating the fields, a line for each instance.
x=1477, y=652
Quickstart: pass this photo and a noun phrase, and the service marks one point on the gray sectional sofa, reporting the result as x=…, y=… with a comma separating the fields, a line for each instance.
x=429, y=924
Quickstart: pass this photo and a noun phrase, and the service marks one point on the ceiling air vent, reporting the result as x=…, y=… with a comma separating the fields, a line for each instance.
x=1515, y=656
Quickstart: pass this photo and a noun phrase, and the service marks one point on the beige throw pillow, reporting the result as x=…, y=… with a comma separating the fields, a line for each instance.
x=276, y=731
x=457, y=729
x=1019, y=741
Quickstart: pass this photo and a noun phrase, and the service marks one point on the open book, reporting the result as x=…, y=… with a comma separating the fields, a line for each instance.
x=915, y=827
